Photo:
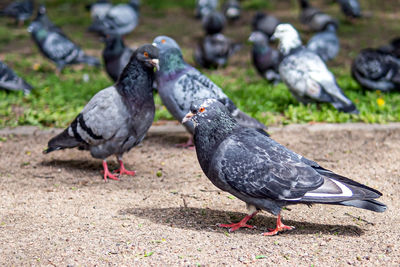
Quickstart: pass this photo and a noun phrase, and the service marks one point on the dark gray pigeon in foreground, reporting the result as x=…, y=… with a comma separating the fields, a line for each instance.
x=55, y=45
x=179, y=84
x=115, y=55
x=204, y=7
x=306, y=75
x=265, y=23
x=214, y=22
x=263, y=173
x=351, y=8
x=214, y=51
x=119, y=20
x=265, y=58
x=231, y=9
x=20, y=10
x=99, y=9
x=9, y=80
x=376, y=70
x=326, y=43
x=314, y=18
x=117, y=118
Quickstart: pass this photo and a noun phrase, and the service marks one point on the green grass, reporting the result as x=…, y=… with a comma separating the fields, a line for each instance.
x=55, y=101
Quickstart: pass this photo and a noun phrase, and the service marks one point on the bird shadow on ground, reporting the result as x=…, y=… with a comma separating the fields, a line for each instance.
x=74, y=164
x=169, y=139
x=207, y=219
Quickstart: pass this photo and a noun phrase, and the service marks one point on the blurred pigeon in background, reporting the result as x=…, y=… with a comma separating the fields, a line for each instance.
x=119, y=20
x=325, y=43
x=55, y=45
x=392, y=48
x=9, y=80
x=99, y=9
x=115, y=55
x=351, y=8
x=313, y=18
x=204, y=7
x=231, y=9
x=376, y=70
x=214, y=51
x=214, y=22
x=306, y=75
x=265, y=58
x=265, y=23
x=20, y=10
x=117, y=118
x=263, y=173
x=179, y=84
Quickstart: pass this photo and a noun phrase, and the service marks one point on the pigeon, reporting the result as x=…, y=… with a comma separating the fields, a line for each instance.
x=214, y=22
x=179, y=83
x=264, y=23
x=117, y=118
x=306, y=74
x=326, y=43
x=204, y=7
x=231, y=9
x=214, y=51
x=115, y=55
x=392, y=48
x=265, y=58
x=99, y=9
x=119, y=20
x=263, y=173
x=351, y=8
x=314, y=18
x=55, y=45
x=376, y=70
x=45, y=20
x=11, y=81
x=20, y=10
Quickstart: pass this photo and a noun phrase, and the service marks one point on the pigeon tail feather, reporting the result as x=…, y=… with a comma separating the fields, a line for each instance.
x=245, y=120
x=92, y=61
x=369, y=204
x=62, y=141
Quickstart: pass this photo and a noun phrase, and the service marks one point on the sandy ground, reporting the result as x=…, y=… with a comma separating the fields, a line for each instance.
x=56, y=210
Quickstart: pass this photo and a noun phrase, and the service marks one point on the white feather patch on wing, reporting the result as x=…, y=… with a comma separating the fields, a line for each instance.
x=346, y=192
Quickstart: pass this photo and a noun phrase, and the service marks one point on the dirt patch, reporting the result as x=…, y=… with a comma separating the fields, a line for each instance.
x=57, y=210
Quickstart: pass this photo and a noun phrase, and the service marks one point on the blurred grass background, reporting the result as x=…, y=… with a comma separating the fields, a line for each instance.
x=56, y=100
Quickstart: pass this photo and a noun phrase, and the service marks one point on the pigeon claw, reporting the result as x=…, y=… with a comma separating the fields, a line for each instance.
x=107, y=173
x=235, y=226
x=280, y=227
x=189, y=144
x=122, y=170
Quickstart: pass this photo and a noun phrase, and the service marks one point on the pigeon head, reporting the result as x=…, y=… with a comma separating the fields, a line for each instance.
x=163, y=42
x=214, y=22
x=171, y=60
x=135, y=4
x=148, y=55
x=41, y=10
x=209, y=112
x=288, y=38
x=258, y=38
x=114, y=44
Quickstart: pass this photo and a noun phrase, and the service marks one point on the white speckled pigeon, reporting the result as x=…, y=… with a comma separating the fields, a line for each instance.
x=99, y=9
x=376, y=70
x=214, y=22
x=179, y=84
x=214, y=51
x=231, y=9
x=115, y=55
x=20, y=10
x=118, y=117
x=326, y=43
x=119, y=20
x=55, y=45
x=204, y=7
x=265, y=23
x=314, y=18
x=265, y=58
x=351, y=8
x=11, y=81
x=306, y=75
x=263, y=173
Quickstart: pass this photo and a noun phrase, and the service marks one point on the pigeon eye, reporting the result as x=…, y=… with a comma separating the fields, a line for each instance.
x=202, y=109
x=146, y=54
x=163, y=41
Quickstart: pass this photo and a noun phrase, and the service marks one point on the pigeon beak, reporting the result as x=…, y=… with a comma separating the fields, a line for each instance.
x=188, y=117
x=154, y=44
x=155, y=62
x=251, y=37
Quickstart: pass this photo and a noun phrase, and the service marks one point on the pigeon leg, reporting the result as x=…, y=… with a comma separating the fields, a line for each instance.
x=235, y=226
x=122, y=169
x=107, y=173
x=189, y=144
x=280, y=227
